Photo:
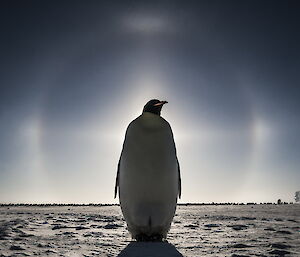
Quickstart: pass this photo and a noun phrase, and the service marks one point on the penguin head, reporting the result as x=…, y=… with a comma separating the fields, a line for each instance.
x=154, y=106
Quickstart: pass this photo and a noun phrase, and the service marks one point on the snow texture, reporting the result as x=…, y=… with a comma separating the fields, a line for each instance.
x=259, y=230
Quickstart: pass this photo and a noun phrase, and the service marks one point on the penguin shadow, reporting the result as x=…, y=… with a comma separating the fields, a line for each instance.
x=149, y=249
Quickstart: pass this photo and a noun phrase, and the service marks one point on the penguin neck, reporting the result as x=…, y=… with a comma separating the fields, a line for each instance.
x=151, y=113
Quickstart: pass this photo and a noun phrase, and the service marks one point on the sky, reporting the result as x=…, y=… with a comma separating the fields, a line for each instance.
x=74, y=74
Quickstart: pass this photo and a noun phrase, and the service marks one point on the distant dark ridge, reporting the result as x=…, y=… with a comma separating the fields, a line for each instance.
x=101, y=204
x=57, y=204
x=213, y=203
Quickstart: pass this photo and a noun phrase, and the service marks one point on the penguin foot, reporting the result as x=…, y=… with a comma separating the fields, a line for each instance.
x=146, y=238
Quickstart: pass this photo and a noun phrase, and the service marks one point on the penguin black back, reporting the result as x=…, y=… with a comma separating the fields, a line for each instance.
x=154, y=106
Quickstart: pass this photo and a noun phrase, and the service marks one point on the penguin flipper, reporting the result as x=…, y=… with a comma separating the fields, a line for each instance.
x=179, y=180
x=117, y=180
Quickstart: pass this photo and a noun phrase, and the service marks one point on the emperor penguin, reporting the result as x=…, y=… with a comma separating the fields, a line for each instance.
x=148, y=175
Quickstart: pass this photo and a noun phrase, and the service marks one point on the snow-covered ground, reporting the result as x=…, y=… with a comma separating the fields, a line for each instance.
x=237, y=231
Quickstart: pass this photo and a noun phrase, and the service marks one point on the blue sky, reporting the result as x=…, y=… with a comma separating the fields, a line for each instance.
x=74, y=75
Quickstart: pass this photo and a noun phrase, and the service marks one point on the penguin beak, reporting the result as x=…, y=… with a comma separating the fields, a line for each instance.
x=161, y=103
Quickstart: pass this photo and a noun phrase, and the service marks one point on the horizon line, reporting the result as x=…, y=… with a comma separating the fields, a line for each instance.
x=117, y=204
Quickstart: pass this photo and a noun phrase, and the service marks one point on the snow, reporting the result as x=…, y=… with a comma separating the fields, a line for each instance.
x=258, y=230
